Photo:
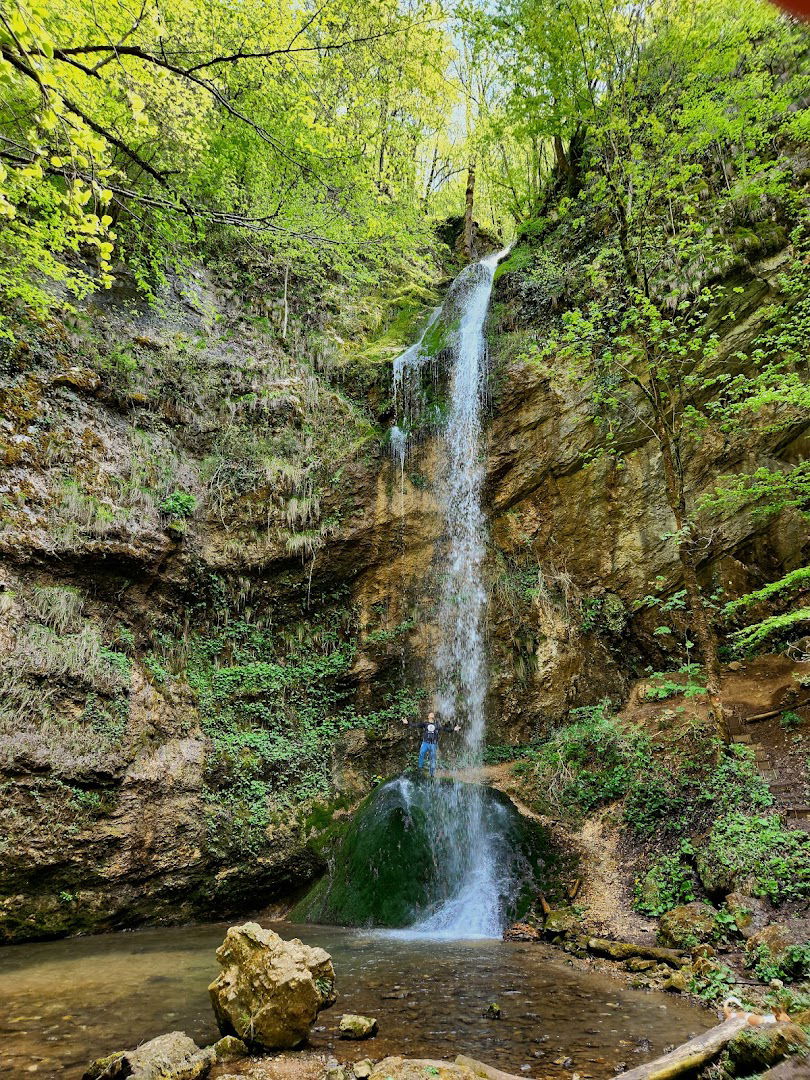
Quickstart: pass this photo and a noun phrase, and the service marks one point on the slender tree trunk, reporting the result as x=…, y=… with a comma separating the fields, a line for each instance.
x=383, y=141
x=560, y=157
x=286, y=302
x=701, y=626
x=468, y=210
x=431, y=174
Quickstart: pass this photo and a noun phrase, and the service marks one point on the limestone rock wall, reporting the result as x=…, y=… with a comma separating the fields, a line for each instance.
x=211, y=594
x=579, y=539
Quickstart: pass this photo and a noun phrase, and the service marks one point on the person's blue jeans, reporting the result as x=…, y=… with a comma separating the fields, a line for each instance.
x=428, y=748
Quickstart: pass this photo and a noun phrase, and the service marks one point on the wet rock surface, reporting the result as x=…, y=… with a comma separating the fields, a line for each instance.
x=353, y=1026
x=270, y=991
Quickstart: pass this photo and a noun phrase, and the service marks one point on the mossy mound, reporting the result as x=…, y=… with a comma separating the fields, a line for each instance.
x=398, y=860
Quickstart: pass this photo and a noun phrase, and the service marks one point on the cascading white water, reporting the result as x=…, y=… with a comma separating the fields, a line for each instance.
x=474, y=900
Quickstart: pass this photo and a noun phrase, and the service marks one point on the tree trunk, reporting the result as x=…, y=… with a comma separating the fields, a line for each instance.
x=560, y=158
x=701, y=627
x=431, y=174
x=689, y=1057
x=286, y=302
x=468, y=211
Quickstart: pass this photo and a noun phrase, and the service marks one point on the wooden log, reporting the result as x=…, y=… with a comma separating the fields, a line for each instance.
x=623, y=950
x=774, y=712
x=692, y=1055
x=793, y=1068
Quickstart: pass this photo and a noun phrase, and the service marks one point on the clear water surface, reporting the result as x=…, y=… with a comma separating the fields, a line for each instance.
x=64, y=1003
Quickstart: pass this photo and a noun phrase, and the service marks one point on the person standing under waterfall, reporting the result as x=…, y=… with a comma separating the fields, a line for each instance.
x=431, y=730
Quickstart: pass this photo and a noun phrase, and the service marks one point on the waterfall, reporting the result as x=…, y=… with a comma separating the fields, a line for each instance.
x=474, y=899
x=445, y=857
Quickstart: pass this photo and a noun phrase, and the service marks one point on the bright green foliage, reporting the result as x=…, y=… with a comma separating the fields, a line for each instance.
x=675, y=130
x=792, y=965
x=713, y=983
x=796, y=579
x=663, y=686
x=790, y=721
x=774, y=626
x=584, y=764
x=273, y=705
x=760, y=848
x=695, y=789
x=668, y=882
x=179, y=504
x=162, y=132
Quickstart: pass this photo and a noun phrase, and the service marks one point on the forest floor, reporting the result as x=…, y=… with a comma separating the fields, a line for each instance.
x=760, y=695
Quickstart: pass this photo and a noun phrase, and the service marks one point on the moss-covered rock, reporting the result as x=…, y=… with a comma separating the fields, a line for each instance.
x=396, y=861
x=748, y=912
x=561, y=922
x=353, y=1026
x=758, y=1048
x=687, y=925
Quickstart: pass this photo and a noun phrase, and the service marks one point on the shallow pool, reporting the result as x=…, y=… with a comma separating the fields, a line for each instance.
x=66, y=1002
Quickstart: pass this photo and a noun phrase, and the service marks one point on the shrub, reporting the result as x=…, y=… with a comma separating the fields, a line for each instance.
x=761, y=850
x=586, y=763
x=711, y=782
x=665, y=687
x=792, y=965
x=668, y=883
x=713, y=982
x=790, y=721
x=179, y=504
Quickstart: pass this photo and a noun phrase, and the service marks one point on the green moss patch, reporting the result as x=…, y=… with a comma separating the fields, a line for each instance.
x=396, y=861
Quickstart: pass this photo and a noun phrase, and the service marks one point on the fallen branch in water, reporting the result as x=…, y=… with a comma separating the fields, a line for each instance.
x=691, y=1055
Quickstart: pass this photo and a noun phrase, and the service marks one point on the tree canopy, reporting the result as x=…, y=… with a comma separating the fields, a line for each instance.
x=140, y=132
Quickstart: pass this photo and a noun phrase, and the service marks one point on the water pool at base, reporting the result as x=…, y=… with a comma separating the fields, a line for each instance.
x=64, y=1003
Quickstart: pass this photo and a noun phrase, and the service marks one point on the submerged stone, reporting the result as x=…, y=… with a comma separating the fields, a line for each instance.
x=353, y=1026
x=396, y=862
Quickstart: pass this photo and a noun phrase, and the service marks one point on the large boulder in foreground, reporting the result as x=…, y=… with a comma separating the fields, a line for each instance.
x=270, y=990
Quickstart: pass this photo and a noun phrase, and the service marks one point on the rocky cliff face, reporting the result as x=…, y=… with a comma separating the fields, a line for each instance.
x=209, y=611
x=580, y=538
x=216, y=589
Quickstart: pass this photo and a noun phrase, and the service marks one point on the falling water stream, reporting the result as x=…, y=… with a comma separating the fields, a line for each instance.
x=474, y=905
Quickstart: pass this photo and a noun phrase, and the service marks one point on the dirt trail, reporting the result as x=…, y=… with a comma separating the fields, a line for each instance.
x=750, y=689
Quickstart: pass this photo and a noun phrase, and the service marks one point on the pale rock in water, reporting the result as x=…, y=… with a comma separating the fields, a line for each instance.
x=270, y=990
x=173, y=1056
x=353, y=1026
